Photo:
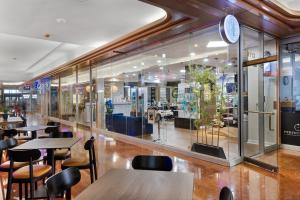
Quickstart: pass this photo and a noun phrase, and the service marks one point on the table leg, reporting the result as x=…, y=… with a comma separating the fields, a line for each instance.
x=50, y=159
x=33, y=134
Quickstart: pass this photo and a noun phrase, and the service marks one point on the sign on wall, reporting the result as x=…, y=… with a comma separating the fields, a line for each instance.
x=229, y=28
x=290, y=128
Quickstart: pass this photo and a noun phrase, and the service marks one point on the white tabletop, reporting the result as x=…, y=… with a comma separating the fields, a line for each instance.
x=140, y=184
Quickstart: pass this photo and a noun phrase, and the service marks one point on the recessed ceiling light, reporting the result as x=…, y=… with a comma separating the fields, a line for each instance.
x=158, y=61
x=133, y=74
x=142, y=63
x=182, y=70
x=134, y=67
x=161, y=68
x=192, y=54
x=212, y=44
x=196, y=45
x=163, y=55
x=205, y=60
x=61, y=20
x=229, y=64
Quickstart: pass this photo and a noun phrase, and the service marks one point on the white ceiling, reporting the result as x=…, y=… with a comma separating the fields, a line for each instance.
x=75, y=27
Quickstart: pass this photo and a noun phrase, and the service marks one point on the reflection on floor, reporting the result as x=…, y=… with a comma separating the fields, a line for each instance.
x=247, y=181
x=184, y=138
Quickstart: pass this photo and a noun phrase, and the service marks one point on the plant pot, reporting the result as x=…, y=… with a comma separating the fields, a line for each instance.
x=208, y=150
x=5, y=116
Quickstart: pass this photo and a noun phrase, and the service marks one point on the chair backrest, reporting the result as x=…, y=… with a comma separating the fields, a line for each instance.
x=24, y=155
x=51, y=123
x=89, y=145
x=3, y=146
x=51, y=129
x=226, y=194
x=62, y=181
x=10, y=133
x=150, y=162
x=66, y=134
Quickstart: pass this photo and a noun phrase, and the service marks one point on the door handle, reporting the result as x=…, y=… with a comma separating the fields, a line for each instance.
x=259, y=112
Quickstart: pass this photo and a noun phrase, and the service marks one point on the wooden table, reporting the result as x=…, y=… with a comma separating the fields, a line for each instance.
x=10, y=120
x=33, y=129
x=50, y=144
x=140, y=184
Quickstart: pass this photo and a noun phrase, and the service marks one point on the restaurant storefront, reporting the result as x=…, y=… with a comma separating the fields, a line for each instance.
x=194, y=93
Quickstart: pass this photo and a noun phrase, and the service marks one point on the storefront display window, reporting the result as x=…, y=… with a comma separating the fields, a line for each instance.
x=54, y=97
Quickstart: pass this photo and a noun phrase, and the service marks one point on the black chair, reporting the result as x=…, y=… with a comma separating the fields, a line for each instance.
x=10, y=133
x=226, y=194
x=50, y=130
x=62, y=182
x=149, y=162
x=28, y=174
x=51, y=123
x=83, y=163
x=4, y=146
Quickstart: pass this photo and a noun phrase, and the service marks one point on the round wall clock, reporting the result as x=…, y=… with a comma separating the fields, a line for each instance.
x=229, y=28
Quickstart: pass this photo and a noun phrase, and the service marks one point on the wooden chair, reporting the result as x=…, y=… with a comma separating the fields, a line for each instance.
x=226, y=194
x=5, y=145
x=150, y=162
x=28, y=174
x=50, y=130
x=84, y=163
x=62, y=182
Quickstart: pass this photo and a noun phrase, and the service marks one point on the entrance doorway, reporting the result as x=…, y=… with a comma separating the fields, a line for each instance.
x=259, y=114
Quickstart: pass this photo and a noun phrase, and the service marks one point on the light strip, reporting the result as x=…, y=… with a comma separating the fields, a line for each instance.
x=12, y=83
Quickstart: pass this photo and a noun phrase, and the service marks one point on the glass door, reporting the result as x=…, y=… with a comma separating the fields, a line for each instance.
x=259, y=114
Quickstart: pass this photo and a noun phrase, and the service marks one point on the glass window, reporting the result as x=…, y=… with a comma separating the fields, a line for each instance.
x=83, y=90
x=68, y=95
x=54, y=97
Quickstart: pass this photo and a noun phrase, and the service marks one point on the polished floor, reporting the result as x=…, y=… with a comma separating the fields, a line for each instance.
x=246, y=181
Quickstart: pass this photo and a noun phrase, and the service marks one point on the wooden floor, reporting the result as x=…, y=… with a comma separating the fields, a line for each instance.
x=246, y=181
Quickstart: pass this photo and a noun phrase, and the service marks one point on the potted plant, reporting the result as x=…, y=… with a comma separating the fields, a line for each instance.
x=206, y=93
x=5, y=113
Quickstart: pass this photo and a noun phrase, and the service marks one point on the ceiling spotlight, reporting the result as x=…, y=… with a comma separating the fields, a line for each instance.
x=192, y=54
x=212, y=44
x=163, y=55
x=142, y=63
x=134, y=67
x=196, y=45
x=133, y=74
x=182, y=71
x=61, y=20
x=229, y=64
x=158, y=61
x=161, y=68
x=205, y=60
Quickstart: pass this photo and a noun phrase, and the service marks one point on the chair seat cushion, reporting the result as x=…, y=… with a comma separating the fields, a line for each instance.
x=61, y=154
x=76, y=162
x=17, y=165
x=38, y=170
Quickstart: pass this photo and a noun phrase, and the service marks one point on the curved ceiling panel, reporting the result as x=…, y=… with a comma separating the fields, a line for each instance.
x=44, y=34
x=291, y=6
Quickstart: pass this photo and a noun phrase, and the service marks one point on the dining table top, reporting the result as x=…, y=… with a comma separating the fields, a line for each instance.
x=33, y=128
x=48, y=143
x=11, y=120
x=140, y=184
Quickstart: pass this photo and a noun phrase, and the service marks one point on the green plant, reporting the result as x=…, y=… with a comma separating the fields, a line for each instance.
x=206, y=93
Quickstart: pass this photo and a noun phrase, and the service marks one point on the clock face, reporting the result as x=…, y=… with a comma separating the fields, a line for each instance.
x=230, y=29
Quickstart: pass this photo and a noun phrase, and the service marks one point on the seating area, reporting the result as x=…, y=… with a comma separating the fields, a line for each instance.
x=128, y=125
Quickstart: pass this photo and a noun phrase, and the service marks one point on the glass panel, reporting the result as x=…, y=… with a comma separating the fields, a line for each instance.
x=54, y=92
x=83, y=90
x=270, y=48
x=252, y=44
x=68, y=96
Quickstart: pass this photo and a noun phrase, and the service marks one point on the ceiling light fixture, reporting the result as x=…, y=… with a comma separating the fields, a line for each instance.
x=142, y=63
x=12, y=83
x=205, y=60
x=192, y=54
x=133, y=74
x=134, y=67
x=158, y=61
x=163, y=55
x=182, y=71
x=213, y=44
x=161, y=68
x=195, y=45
